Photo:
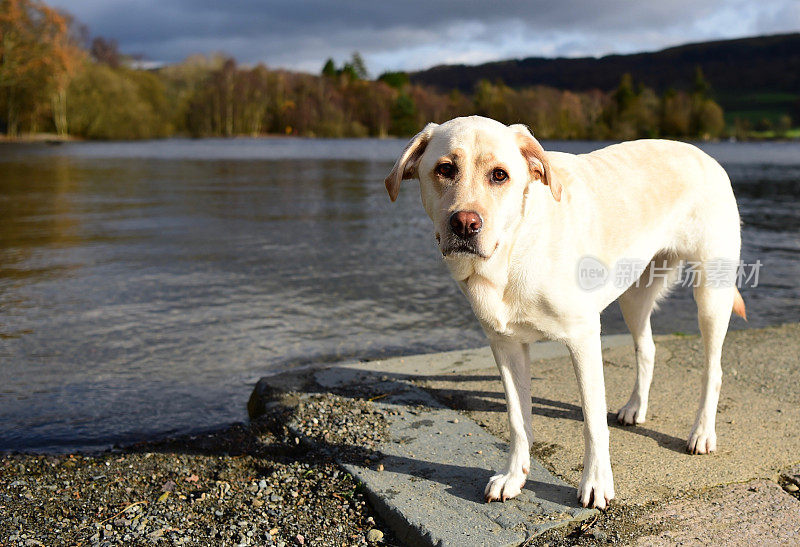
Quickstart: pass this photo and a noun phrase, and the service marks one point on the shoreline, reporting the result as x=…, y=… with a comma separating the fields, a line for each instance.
x=280, y=480
x=55, y=139
x=248, y=484
x=39, y=138
x=416, y=363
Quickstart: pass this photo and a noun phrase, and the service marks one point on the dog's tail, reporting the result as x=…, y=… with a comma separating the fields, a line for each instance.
x=738, y=304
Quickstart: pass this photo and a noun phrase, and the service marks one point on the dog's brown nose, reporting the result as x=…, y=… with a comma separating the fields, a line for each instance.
x=465, y=224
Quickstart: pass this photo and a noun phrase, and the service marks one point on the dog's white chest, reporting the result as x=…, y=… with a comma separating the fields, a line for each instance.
x=500, y=310
x=495, y=308
x=486, y=299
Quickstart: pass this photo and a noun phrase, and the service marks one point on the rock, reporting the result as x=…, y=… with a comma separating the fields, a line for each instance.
x=791, y=487
x=508, y=521
x=272, y=391
x=599, y=535
x=374, y=536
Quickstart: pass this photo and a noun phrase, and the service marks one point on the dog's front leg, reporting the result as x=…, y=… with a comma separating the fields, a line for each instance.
x=597, y=483
x=514, y=365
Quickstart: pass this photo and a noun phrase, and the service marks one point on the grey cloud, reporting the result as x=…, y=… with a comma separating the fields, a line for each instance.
x=301, y=34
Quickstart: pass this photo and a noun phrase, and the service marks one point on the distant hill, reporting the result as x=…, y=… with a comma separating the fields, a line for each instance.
x=752, y=78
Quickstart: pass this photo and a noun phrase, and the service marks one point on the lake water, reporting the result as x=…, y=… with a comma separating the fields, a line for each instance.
x=145, y=286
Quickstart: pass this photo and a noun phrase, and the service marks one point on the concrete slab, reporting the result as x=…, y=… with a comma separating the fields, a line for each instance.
x=757, y=432
x=467, y=360
x=757, y=439
x=435, y=465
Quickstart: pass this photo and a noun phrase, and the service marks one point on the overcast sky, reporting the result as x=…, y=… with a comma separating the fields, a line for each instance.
x=413, y=34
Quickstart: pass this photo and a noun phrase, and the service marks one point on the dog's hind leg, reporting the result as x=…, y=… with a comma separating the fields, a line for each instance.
x=637, y=304
x=714, y=304
x=513, y=362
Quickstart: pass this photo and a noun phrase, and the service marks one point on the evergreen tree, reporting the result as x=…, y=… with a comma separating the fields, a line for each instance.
x=404, y=116
x=624, y=94
x=329, y=69
x=700, y=87
x=397, y=80
x=359, y=67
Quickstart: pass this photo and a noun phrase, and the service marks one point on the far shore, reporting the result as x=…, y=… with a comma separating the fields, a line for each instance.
x=54, y=138
x=38, y=138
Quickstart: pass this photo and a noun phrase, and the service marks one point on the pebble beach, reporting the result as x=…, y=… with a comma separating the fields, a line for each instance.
x=251, y=484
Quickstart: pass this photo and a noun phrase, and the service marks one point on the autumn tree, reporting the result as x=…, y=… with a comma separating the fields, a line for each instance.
x=182, y=81
x=66, y=58
x=38, y=57
x=104, y=103
x=105, y=51
x=492, y=100
x=23, y=72
x=707, y=120
x=676, y=113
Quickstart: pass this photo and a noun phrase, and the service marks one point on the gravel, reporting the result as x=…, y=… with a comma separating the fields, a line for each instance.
x=347, y=427
x=620, y=524
x=252, y=484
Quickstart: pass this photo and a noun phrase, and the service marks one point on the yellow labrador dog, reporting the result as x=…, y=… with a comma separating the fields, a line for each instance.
x=539, y=241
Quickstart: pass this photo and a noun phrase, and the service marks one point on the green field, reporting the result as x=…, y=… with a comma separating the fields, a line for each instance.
x=755, y=107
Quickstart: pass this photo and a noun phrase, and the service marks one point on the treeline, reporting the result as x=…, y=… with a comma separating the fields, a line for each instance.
x=53, y=80
x=631, y=111
x=755, y=79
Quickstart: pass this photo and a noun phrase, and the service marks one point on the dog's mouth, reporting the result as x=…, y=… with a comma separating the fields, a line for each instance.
x=455, y=248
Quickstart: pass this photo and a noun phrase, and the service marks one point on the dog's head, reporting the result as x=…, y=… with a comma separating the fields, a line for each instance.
x=474, y=178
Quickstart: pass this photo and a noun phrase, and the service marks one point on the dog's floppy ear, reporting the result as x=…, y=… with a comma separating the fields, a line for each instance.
x=406, y=166
x=533, y=152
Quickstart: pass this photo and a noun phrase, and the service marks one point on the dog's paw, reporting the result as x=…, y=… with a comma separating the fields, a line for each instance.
x=633, y=412
x=702, y=441
x=504, y=486
x=597, y=487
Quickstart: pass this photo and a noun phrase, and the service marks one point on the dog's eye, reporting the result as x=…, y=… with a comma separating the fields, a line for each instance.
x=446, y=170
x=499, y=175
